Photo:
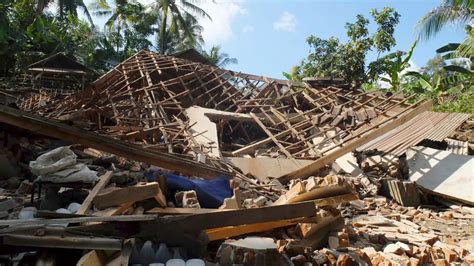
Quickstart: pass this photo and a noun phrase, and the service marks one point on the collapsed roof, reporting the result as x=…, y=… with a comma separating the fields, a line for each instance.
x=152, y=99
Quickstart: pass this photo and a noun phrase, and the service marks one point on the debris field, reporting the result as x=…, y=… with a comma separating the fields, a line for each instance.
x=168, y=161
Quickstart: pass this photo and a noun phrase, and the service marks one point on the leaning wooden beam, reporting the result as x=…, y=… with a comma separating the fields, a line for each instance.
x=87, y=203
x=131, y=151
x=358, y=140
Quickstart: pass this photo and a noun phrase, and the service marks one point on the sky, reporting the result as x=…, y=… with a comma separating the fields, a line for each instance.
x=269, y=36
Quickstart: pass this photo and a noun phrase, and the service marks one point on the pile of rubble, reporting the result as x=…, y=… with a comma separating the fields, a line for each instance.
x=168, y=161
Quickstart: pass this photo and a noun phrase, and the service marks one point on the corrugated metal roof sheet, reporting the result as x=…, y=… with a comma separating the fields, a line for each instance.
x=457, y=147
x=427, y=125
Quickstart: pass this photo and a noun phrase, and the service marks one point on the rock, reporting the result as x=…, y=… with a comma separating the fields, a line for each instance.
x=7, y=167
x=26, y=187
x=260, y=201
x=13, y=183
x=333, y=242
x=469, y=259
x=345, y=260
x=404, y=246
x=298, y=260
x=8, y=204
x=370, y=251
x=187, y=199
x=319, y=258
x=27, y=213
x=394, y=249
x=261, y=250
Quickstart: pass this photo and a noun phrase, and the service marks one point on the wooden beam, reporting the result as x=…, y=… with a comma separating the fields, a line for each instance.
x=231, y=231
x=65, y=132
x=197, y=222
x=68, y=241
x=87, y=203
x=118, y=196
x=181, y=211
x=359, y=140
x=88, y=219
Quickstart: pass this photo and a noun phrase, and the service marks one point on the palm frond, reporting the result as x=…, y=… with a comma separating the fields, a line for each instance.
x=437, y=18
x=448, y=48
x=195, y=9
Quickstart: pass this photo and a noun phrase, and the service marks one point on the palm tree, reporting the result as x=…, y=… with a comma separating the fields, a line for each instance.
x=219, y=59
x=123, y=15
x=175, y=20
x=450, y=11
x=194, y=40
x=65, y=7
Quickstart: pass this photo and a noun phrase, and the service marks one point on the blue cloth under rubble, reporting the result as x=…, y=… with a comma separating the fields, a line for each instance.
x=210, y=193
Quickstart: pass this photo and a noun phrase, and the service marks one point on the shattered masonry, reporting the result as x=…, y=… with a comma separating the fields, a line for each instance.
x=184, y=157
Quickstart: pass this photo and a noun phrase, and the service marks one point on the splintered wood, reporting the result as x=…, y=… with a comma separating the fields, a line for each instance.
x=144, y=99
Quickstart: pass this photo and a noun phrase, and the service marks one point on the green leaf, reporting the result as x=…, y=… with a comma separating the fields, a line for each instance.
x=458, y=69
x=448, y=48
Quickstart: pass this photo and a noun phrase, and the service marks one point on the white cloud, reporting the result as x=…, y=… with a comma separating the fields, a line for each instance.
x=248, y=28
x=223, y=13
x=286, y=22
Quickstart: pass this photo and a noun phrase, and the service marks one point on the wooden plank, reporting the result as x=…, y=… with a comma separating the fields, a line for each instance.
x=317, y=193
x=361, y=139
x=282, y=149
x=119, y=196
x=131, y=151
x=231, y=231
x=69, y=242
x=87, y=203
x=90, y=259
x=238, y=217
x=180, y=211
x=121, y=218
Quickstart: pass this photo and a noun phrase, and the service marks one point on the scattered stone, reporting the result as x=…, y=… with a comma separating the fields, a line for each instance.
x=13, y=183
x=393, y=248
x=26, y=187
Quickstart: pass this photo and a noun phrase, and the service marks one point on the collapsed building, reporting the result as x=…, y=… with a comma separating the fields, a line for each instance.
x=193, y=156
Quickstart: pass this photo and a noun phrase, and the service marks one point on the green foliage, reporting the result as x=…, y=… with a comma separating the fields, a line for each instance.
x=331, y=58
x=392, y=65
x=218, y=58
x=383, y=38
x=324, y=60
x=370, y=86
x=459, y=12
x=176, y=22
x=28, y=32
x=446, y=81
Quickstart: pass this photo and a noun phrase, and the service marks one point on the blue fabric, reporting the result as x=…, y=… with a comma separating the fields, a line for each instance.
x=210, y=193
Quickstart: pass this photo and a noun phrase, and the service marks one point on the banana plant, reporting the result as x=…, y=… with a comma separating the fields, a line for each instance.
x=394, y=64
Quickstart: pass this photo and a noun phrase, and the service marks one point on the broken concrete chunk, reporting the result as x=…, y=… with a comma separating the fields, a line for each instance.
x=442, y=173
x=249, y=251
x=187, y=199
x=393, y=248
x=7, y=167
x=8, y=204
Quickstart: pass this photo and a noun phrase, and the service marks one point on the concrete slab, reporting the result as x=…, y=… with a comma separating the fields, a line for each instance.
x=442, y=173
